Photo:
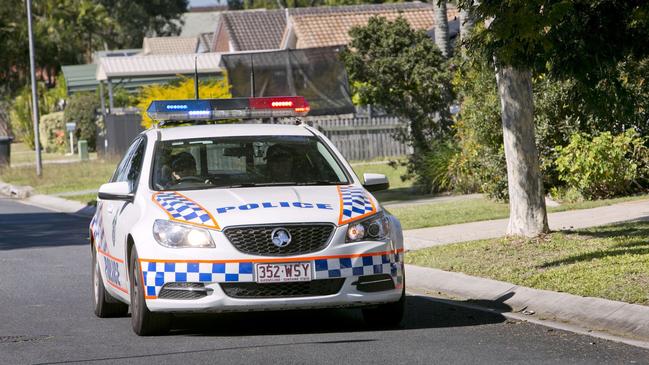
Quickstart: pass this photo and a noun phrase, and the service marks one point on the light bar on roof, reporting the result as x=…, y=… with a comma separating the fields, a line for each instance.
x=214, y=109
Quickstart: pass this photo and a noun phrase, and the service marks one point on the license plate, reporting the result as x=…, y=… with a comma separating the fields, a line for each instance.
x=282, y=273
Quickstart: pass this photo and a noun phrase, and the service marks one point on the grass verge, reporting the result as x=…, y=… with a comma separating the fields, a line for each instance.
x=59, y=178
x=609, y=262
x=20, y=153
x=478, y=209
x=393, y=174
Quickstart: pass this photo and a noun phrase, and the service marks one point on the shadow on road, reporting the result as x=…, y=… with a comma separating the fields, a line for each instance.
x=421, y=312
x=28, y=230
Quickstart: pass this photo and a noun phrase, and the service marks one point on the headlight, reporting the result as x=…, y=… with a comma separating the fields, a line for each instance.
x=176, y=235
x=375, y=228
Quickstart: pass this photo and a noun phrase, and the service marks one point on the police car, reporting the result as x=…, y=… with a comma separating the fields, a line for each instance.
x=203, y=217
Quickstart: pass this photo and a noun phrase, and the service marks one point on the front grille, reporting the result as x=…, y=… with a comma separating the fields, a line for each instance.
x=283, y=290
x=182, y=290
x=256, y=240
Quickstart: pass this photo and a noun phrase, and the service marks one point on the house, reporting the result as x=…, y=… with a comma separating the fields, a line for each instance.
x=308, y=29
x=248, y=30
x=297, y=28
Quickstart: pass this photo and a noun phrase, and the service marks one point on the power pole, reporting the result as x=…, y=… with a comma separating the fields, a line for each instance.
x=32, y=70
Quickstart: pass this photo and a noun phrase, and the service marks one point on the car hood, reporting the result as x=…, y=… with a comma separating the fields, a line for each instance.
x=220, y=208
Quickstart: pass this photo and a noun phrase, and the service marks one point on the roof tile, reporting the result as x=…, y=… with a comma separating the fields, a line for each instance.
x=170, y=45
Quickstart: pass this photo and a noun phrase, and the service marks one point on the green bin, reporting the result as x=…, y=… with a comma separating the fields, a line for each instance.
x=83, y=149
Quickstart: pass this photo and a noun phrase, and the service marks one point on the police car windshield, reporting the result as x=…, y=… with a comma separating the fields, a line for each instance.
x=233, y=162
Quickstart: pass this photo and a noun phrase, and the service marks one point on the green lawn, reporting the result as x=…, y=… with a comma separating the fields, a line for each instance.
x=478, y=209
x=393, y=174
x=59, y=178
x=610, y=262
x=20, y=153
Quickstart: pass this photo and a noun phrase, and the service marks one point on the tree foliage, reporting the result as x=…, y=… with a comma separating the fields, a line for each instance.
x=82, y=110
x=582, y=39
x=68, y=31
x=402, y=71
x=135, y=19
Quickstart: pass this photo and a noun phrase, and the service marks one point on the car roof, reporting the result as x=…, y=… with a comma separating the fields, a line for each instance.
x=231, y=130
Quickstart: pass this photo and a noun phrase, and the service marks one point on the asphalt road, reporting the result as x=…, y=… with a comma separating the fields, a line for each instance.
x=46, y=317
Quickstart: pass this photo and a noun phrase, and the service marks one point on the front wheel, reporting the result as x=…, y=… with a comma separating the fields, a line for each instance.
x=144, y=322
x=105, y=305
x=387, y=315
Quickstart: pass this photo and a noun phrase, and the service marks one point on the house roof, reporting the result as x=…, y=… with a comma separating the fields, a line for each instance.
x=169, y=45
x=262, y=29
x=205, y=42
x=342, y=9
x=80, y=77
x=157, y=65
x=196, y=23
x=255, y=29
x=332, y=29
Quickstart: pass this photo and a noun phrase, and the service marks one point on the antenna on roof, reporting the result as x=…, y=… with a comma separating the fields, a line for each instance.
x=252, y=77
x=196, y=77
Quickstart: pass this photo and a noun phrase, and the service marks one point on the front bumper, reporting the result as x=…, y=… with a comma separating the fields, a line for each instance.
x=355, y=261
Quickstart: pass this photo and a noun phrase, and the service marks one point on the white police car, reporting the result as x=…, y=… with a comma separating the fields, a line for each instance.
x=241, y=217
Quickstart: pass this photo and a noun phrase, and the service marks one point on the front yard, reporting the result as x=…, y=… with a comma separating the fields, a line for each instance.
x=609, y=262
x=478, y=209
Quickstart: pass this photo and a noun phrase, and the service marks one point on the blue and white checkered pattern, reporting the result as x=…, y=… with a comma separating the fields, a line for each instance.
x=156, y=274
x=182, y=209
x=356, y=203
x=357, y=266
x=97, y=227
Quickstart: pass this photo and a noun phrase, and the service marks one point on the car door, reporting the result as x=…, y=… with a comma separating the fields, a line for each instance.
x=127, y=213
x=111, y=248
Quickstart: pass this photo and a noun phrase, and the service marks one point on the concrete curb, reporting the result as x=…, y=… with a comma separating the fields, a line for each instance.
x=60, y=205
x=596, y=314
x=24, y=194
x=15, y=191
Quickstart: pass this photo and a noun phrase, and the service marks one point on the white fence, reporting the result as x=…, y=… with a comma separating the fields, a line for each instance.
x=364, y=138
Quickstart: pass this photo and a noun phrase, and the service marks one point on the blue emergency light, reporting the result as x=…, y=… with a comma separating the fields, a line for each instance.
x=214, y=109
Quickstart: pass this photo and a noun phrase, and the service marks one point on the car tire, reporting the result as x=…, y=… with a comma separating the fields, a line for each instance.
x=387, y=315
x=105, y=305
x=144, y=322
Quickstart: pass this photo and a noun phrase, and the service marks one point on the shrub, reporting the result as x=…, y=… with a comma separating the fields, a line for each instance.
x=183, y=89
x=480, y=163
x=430, y=170
x=82, y=109
x=20, y=117
x=52, y=132
x=603, y=166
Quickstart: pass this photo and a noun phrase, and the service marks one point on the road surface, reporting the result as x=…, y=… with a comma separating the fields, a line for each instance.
x=46, y=317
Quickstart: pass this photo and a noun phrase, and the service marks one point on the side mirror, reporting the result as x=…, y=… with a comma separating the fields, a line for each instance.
x=116, y=191
x=375, y=182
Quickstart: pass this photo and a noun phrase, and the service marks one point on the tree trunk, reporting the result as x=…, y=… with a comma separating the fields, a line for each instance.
x=466, y=24
x=527, y=214
x=442, y=39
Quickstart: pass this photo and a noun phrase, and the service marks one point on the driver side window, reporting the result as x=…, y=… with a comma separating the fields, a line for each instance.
x=130, y=167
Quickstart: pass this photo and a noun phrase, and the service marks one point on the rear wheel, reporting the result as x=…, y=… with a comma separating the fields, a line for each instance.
x=144, y=322
x=387, y=315
x=105, y=304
